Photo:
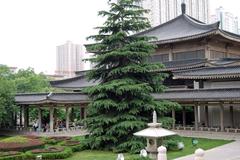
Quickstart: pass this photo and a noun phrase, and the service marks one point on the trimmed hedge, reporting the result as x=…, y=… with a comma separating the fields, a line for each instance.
x=67, y=152
x=21, y=156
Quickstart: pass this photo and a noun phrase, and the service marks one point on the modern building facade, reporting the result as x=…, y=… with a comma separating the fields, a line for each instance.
x=228, y=21
x=69, y=59
x=162, y=11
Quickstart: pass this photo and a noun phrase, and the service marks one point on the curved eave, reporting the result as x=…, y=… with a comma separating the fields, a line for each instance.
x=228, y=35
x=181, y=67
x=181, y=39
x=51, y=102
x=56, y=82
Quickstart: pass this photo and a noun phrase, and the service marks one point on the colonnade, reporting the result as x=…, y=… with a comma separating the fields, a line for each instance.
x=196, y=109
x=24, y=114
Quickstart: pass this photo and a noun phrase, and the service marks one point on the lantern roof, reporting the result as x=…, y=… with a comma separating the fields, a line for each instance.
x=155, y=130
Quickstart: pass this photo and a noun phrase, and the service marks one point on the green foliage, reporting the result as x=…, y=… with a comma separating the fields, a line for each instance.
x=58, y=155
x=15, y=139
x=122, y=103
x=21, y=156
x=24, y=81
x=172, y=143
x=28, y=81
x=142, y=158
x=7, y=90
x=167, y=122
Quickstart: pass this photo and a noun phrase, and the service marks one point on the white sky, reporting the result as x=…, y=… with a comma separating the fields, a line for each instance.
x=30, y=30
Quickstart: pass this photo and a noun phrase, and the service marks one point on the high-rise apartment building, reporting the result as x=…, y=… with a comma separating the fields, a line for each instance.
x=228, y=21
x=162, y=11
x=69, y=59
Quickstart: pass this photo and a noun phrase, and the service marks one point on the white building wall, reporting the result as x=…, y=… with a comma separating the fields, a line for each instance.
x=228, y=21
x=162, y=11
x=69, y=59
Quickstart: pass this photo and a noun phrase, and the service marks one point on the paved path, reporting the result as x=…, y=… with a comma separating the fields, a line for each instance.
x=229, y=151
x=210, y=135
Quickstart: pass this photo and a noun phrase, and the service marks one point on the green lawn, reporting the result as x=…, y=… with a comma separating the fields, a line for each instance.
x=189, y=149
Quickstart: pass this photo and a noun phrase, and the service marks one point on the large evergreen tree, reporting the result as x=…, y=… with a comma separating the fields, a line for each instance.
x=122, y=102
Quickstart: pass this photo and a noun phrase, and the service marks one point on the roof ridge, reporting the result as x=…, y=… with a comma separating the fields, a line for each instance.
x=160, y=25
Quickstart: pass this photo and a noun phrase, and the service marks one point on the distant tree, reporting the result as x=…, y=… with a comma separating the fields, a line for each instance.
x=28, y=81
x=7, y=91
x=122, y=103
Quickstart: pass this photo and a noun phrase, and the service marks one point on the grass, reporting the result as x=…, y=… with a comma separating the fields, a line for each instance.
x=189, y=149
x=15, y=139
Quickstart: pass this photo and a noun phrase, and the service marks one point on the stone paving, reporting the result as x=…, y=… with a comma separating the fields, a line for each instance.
x=229, y=151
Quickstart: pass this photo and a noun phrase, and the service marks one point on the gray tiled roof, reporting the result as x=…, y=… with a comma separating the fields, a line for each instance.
x=73, y=83
x=188, y=96
x=209, y=73
x=79, y=82
x=184, y=64
x=201, y=95
x=41, y=98
x=181, y=28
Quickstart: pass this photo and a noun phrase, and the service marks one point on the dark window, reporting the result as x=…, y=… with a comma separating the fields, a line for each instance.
x=189, y=55
x=160, y=58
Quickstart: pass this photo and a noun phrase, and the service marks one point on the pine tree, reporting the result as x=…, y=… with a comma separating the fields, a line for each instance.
x=122, y=103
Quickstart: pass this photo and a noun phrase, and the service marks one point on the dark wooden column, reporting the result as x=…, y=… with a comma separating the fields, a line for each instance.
x=174, y=118
x=231, y=117
x=206, y=117
x=20, y=116
x=25, y=112
x=184, y=116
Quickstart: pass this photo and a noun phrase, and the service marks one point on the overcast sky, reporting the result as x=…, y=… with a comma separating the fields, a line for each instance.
x=30, y=30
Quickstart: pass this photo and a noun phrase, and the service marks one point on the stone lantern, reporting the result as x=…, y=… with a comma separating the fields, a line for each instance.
x=154, y=134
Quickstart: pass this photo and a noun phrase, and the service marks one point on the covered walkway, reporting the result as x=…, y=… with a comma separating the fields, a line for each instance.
x=50, y=101
x=201, y=100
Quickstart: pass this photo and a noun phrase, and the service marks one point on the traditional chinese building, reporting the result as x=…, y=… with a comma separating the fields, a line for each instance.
x=203, y=63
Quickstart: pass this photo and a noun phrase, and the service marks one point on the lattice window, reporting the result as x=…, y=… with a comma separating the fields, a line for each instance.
x=159, y=58
x=217, y=54
x=189, y=55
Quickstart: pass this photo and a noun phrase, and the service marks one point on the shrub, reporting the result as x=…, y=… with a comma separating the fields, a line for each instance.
x=67, y=152
x=142, y=158
x=13, y=156
x=71, y=143
x=167, y=122
x=74, y=145
x=48, y=150
x=16, y=139
x=172, y=143
x=10, y=153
